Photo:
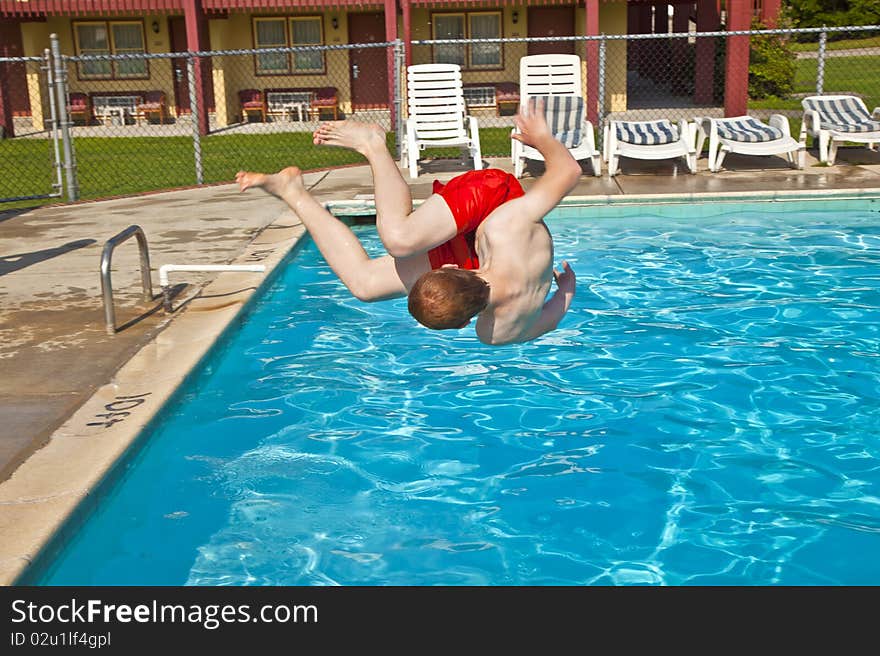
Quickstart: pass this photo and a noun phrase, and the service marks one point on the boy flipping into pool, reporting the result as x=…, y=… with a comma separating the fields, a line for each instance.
x=477, y=247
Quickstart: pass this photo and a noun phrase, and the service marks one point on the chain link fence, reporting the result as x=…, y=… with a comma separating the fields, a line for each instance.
x=30, y=162
x=139, y=122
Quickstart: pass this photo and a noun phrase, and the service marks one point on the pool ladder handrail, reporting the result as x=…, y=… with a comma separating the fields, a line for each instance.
x=106, y=284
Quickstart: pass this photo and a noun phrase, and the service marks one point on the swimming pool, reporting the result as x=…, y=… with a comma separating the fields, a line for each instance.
x=707, y=413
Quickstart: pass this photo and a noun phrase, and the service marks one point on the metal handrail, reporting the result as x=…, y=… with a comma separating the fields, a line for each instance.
x=107, y=286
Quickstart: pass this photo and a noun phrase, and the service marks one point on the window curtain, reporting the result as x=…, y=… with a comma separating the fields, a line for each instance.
x=93, y=40
x=270, y=34
x=485, y=26
x=128, y=38
x=307, y=33
x=449, y=27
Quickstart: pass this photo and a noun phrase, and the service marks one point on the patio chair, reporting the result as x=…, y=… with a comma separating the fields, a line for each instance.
x=435, y=103
x=153, y=104
x=557, y=80
x=748, y=136
x=80, y=106
x=835, y=119
x=649, y=140
x=324, y=99
x=252, y=100
x=506, y=97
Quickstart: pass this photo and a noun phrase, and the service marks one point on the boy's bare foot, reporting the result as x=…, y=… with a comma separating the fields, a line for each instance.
x=357, y=136
x=284, y=184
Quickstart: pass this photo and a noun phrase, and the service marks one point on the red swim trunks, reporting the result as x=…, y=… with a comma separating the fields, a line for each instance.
x=471, y=197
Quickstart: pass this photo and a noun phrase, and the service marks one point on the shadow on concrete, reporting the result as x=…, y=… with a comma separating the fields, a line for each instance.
x=174, y=291
x=11, y=263
x=5, y=215
x=144, y=315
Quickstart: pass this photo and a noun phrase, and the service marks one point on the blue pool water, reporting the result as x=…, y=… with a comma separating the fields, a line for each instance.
x=707, y=413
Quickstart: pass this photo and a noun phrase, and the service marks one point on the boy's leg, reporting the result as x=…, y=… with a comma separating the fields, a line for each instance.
x=367, y=279
x=403, y=231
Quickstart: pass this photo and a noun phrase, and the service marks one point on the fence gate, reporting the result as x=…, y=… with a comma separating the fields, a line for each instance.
x=30, y=148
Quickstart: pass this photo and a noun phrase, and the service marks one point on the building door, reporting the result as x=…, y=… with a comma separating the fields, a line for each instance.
x=15, y=78
x=368, y=67
x=551, y=21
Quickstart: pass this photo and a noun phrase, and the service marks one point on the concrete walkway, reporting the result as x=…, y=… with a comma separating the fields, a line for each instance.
x=54, y=349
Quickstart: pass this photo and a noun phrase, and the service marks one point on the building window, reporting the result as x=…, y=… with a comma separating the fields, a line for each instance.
x=286, y=32
x=468, y=25
x=111, y=38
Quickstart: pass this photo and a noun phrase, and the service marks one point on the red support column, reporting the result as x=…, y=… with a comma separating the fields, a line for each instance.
x=736, y=69
x=407, y=32
x=391, y=35
x=197, y=39
x=680, y=45
x=708, y=20
x=770, y=12
x=592, y=58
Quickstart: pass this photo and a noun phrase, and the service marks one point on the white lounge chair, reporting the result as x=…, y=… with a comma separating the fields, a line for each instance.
x=436, y=114
x=748, y=136
x=835, y=119
x=649, y=140
x=557, y=80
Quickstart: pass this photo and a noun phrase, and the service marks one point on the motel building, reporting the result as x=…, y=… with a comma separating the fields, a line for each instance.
x=342, y=82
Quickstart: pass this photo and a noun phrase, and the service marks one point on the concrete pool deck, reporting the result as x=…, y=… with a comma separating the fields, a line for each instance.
x=84, y=395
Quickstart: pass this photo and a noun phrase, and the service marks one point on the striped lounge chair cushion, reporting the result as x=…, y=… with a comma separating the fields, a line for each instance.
x=647, y=133
x=747, y=129
x=565, y=116
x=842, y=115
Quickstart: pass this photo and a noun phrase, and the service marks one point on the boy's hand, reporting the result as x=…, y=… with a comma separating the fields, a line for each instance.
x=565, y=280
x=531, y=123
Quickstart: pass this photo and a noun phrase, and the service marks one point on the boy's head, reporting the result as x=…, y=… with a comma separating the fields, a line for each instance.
x=448, y=298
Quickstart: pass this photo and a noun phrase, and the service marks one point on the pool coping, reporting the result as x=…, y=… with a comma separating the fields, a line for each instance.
x=365, y=207
x=64, y=478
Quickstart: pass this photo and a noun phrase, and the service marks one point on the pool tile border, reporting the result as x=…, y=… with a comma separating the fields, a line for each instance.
x=61, y=479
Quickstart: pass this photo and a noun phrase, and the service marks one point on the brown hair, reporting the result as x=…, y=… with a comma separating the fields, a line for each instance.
x=448, y=298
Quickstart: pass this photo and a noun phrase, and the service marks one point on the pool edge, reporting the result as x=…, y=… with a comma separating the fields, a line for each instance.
x=58, y=481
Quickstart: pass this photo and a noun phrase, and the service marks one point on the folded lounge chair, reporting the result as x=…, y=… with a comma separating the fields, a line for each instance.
x=835, y=119
x=748, y=136
x=649, y=140
x=556, y=79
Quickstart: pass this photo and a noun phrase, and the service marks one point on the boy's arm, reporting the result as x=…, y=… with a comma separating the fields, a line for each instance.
x=557, y=306
x=561, y=172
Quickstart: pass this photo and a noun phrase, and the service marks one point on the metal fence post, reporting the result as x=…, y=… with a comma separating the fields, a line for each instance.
x=194, y=114
x=61, y=100
x=398, y=100
x=58, y=185
x=820, y=63
x=602, y=63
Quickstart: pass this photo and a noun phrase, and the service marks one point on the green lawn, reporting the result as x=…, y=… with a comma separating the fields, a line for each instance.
x=845, y=44
x=858, y=75
x=126, y=165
